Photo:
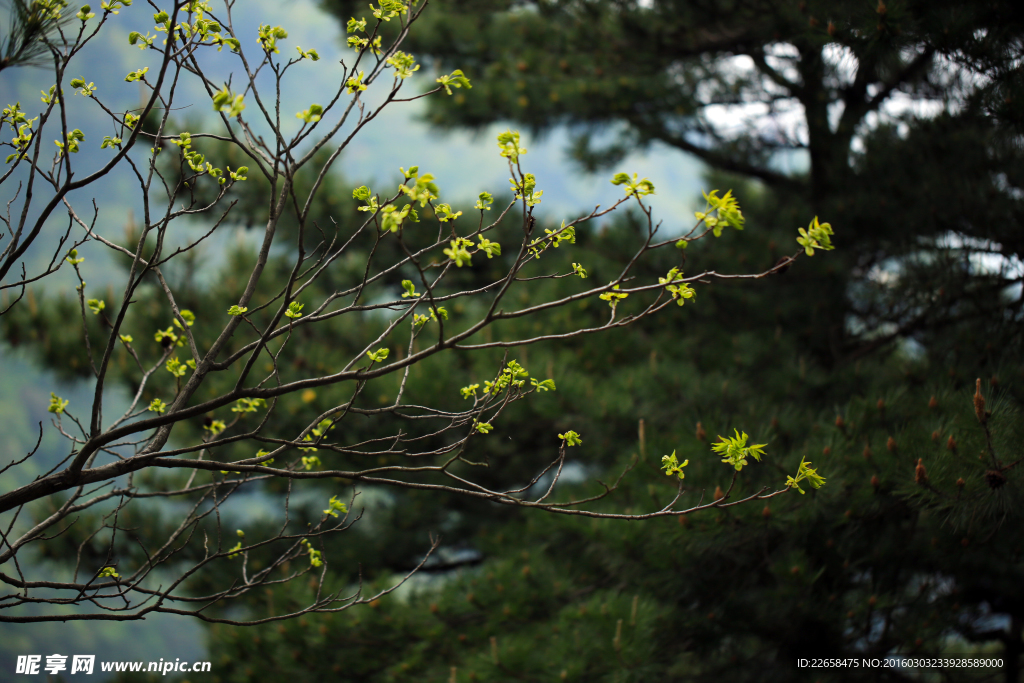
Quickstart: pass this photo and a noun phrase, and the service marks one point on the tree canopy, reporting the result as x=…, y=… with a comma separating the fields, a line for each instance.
x=904, y=117
x=392, y=376
x=290, y=361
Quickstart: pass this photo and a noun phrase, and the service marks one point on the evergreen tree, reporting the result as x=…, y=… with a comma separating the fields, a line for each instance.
x=862, y=566
x=851, y=88
x=273, y=366
x=911, y=548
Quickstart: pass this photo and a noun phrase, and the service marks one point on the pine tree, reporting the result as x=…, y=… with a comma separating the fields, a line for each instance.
x=851, y=88
x=743, y=594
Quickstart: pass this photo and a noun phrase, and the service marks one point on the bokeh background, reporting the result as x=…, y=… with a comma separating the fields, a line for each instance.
x=863, y=360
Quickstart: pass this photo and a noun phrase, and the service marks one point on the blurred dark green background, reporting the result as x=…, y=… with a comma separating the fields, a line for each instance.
x=898, y=123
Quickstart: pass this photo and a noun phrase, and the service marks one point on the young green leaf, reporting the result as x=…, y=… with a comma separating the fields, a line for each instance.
x=613, y=296
x=816, y=236
x=335, y=506
x=57, y=404
x=805, y=473
x=735, y=450
x=454, y=80
x=311, y=115
x=410, y=290
x=571, y=438
x=671, y=465
x=484, y=201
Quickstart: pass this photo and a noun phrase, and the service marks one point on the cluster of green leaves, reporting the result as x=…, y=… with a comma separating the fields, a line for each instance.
x=571, y=438
x=197, y=162
x=552, y=238
x=726, y=209
x=202, y=30
x=805, y=472
x=423, y=191
x=236, y=550
x=311, y=115
x=390, y=9
x=268, y=37
x=317, y=434
x=525, y=189
x=359, y=43
x=57, y=404
x=513, y=376
x=680, y=292
x=378, y=356
x=226, y=103
x=455, y=79
x=315, y=556
x=70, y=143
x=86, y=90
x=735, y=451
x=21, y=126
x=640, y=188
x=294, y=311
x=248, y=405
x=336, y=507
x=510, y=147
x=404, y=64
x=613, y=296
x=436, y=313
x=671, y=465
x=816, y=236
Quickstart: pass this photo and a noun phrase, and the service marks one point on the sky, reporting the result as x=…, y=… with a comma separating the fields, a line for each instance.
x=463, y=163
